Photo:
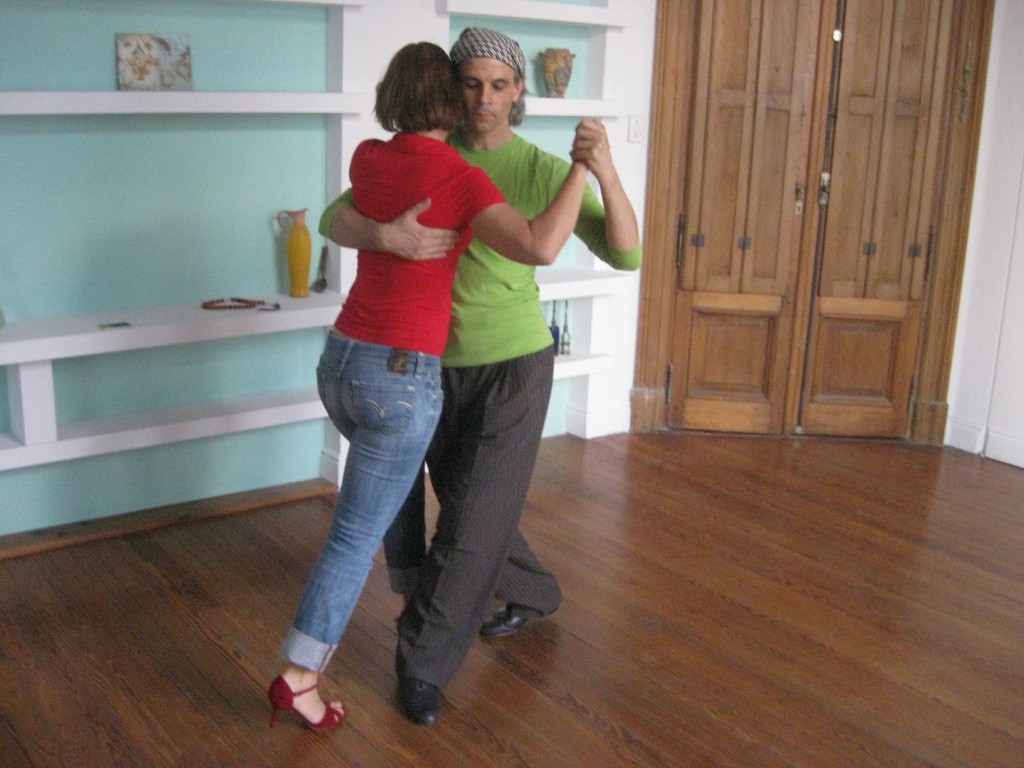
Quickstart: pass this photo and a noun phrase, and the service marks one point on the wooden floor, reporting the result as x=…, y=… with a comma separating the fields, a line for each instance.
x=730, y=601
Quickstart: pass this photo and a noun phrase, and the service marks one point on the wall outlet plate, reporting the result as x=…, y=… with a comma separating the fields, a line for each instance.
x=637, y=129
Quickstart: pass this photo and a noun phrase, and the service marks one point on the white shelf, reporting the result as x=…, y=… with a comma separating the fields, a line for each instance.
x=539, y=106
x=80, y=335
x=310, y=2
x=29, y=348
x=144, y=430
x=179, y=102
x=559, y=283
x=570, y=366
x=537, y=10
x=303, y=2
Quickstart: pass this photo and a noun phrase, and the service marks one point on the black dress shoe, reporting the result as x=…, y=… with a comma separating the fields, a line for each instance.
x=421, y=701
x=507, y=621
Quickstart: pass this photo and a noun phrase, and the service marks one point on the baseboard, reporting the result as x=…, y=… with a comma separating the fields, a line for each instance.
x=965, y=436
x=928, y=421
x=647, y=409
x=1006, y=448
x=589, y=423
x=46, y=539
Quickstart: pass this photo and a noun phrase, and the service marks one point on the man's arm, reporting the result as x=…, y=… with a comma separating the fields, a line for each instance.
x=404, y=236
x=591, y=147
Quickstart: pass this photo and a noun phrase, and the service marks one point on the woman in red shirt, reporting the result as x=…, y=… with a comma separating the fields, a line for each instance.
x=379, y=375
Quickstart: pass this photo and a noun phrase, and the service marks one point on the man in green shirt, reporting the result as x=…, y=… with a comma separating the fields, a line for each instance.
x=498, y=367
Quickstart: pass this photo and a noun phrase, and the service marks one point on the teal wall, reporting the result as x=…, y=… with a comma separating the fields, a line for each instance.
x=132, y=211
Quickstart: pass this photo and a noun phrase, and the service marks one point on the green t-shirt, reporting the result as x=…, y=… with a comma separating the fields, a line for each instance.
x=496, y=313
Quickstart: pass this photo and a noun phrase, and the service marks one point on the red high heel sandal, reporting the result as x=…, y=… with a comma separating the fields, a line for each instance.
x=282, y=699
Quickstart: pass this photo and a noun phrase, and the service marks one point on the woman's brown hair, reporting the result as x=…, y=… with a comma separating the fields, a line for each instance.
x=419, y=91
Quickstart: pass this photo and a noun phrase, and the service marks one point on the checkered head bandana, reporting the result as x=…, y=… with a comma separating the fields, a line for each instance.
x=482, y=43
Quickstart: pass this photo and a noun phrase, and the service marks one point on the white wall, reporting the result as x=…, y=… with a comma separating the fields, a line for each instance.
x=986, y=410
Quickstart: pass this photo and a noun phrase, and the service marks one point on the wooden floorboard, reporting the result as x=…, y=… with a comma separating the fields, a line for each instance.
x=730, y=602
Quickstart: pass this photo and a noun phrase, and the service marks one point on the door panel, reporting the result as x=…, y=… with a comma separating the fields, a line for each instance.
x=858, y=384
x=731, y=382
x=779, y=158
x=857, y=151
x=728, y=35
x=876, y=222
x=873, y=238
x=746, y=179
x=909, y=145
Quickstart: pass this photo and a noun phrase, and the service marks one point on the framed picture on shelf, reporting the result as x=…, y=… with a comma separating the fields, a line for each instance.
x=148, y=62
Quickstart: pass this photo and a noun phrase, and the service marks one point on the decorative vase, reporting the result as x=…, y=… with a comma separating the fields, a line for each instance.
x=557, y=68
x=299, y=249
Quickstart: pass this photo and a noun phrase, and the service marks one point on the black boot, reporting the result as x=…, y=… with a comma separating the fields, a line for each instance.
x=421, y=702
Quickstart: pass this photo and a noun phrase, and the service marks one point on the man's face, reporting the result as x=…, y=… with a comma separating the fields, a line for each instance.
x=489, y=88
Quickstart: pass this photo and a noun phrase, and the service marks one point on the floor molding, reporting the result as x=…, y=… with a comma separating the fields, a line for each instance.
x=47, y=539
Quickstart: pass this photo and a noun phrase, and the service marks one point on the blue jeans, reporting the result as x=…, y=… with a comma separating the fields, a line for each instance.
x=386, y=402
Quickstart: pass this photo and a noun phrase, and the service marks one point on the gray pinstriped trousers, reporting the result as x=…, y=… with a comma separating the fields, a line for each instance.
x=481, y=461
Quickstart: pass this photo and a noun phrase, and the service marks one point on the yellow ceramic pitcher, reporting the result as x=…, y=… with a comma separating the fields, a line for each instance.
x=299, y=248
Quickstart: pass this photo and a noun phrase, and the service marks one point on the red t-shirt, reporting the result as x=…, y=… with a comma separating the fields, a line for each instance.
x=393, y=301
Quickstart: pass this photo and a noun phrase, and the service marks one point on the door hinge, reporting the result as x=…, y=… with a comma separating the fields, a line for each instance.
x=668, y=383
x=930, y=255
x=680, y=241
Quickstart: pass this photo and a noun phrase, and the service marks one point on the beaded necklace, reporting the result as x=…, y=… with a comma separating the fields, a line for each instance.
x=237, y=303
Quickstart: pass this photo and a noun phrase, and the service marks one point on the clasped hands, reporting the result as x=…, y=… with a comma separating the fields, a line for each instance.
x=591, y=147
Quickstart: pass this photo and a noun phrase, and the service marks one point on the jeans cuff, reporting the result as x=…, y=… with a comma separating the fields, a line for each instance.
x=305, y=651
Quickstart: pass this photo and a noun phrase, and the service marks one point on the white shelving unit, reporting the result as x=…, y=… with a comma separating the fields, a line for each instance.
x=585, y=285
x=575, y=283
x=568, y=283
x=28, y=349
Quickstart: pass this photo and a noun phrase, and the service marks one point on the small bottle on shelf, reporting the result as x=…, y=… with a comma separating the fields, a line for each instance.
x=566, y=347
x=554, y=326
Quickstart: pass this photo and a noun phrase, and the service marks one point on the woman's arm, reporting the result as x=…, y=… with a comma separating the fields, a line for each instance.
x=534, y=241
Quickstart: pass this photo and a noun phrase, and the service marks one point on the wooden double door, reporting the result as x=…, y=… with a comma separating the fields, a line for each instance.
x=810, y=191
